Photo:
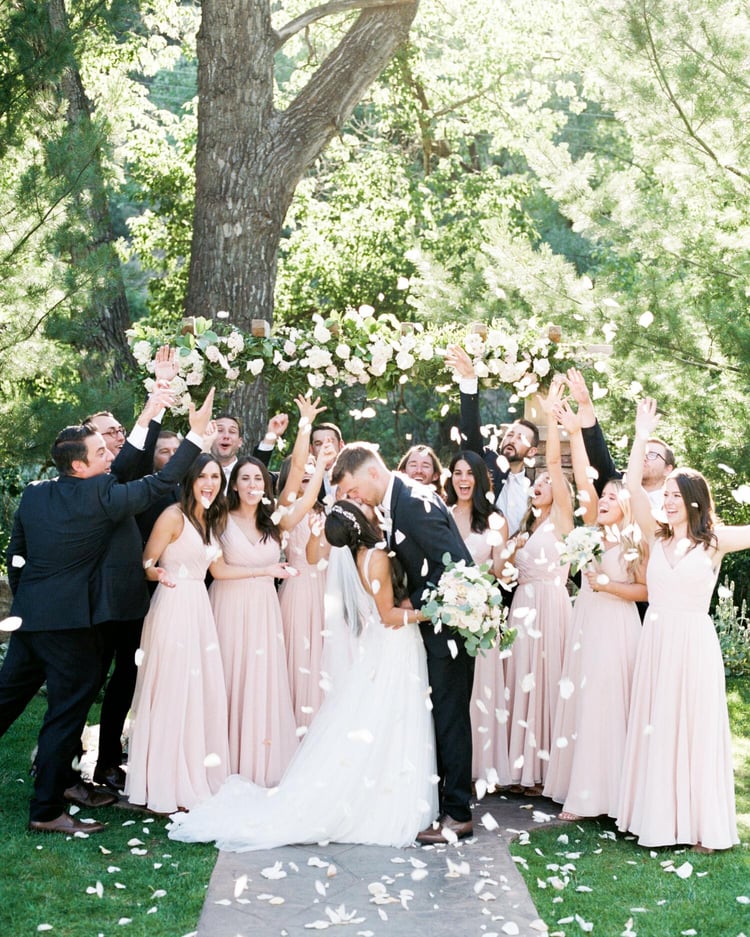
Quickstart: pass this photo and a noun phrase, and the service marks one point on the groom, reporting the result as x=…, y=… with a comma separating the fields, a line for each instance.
x=420, y=532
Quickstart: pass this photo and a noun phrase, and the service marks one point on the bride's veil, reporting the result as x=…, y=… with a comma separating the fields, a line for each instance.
x=347, y=607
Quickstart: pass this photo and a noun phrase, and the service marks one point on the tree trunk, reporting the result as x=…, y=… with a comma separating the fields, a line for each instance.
x=109, y=305
x=250, y=157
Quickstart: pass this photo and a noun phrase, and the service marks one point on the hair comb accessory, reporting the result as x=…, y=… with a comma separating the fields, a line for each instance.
x=337, y=509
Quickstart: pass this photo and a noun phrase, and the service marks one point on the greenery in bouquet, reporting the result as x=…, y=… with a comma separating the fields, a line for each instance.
x=583, y=545
x=468, y=600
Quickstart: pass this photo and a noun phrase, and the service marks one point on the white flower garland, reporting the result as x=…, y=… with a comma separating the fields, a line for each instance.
x=354, y=347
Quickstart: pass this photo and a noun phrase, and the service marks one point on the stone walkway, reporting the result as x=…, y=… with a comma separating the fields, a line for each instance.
x=469, y=888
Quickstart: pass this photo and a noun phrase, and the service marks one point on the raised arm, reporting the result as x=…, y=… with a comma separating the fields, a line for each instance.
x=646, y=419
x=587, y=496
x=593, y=438
x=297, y=509
x=560, y=490
x=275, y=429
x=308, y=410
x=469, y=421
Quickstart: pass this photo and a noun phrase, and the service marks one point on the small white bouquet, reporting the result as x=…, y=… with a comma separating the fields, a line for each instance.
x=469, y=601
x=583, y=545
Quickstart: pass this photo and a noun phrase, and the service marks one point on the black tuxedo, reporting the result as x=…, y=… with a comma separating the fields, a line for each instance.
x=120, y=598
x=599, y=456
x=422, y=532
x=60, y=531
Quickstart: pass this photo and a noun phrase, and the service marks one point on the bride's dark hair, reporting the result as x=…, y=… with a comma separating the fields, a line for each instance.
x=347, y=526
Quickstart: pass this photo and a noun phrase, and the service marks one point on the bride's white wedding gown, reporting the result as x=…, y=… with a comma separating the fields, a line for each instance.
x=365, y=771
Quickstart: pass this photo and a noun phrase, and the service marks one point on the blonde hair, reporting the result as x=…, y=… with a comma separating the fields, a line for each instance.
x=628, y=533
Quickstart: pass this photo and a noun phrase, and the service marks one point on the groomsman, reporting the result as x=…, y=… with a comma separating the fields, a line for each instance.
x=59, y=532
x=421, y=532
x=119, y=593
x=511, y=466
x=658, y=459
x=227, y=443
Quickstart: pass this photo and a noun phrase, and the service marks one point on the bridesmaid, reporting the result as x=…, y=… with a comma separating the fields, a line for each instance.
x=468, y=493
x=541, y=613
x=585, y=766
x=262, y=728
x=178, y=752
x=262, y=732
x=677, y=784
x=302, y=596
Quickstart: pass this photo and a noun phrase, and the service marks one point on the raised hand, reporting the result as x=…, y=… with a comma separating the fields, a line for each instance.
x=160, y=399
x=457, y=359
x=326, y=456
x=646, y=418
x=308, y=409
x=554, y=396
x=578, y=388
x=209, y=437
x=567, y=417
x=277, y=426
x=200, y=418
x=166, y=366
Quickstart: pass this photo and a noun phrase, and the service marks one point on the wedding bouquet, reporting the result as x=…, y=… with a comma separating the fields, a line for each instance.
x=468, y=600
x=583, y=545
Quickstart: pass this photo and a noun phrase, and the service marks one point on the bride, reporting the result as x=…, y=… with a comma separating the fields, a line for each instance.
x=365, y=772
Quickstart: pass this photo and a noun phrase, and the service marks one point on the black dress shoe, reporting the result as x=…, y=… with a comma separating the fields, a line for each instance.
x=65, y=824
x=113, y=778
x=446, y=830
x=86, y=795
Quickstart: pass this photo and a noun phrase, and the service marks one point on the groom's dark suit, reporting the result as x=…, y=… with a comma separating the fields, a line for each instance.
x=60, y=531
x=422, y=532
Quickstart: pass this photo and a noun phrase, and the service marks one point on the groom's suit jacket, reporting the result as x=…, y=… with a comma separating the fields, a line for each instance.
x=422, y=532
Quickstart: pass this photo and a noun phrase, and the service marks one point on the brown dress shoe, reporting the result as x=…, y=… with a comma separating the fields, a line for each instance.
x=65, y=824
x=85, y=795
x=447, y=830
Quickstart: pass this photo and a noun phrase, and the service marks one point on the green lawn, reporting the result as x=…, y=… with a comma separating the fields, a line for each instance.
x=89, y=887
x=585, y=877
x=579, y=874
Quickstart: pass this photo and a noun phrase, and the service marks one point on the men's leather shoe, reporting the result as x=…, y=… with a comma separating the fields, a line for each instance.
x=113, y=778
x=447, y=830
x=65, y=824
x=86, y=795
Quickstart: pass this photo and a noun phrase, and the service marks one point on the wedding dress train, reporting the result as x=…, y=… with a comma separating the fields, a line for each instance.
x=365, y=771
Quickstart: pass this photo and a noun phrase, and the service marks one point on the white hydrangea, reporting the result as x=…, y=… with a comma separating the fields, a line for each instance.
x=142, y=352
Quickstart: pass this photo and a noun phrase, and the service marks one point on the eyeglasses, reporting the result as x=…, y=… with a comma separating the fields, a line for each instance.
x=650, y=456
x=115, y=431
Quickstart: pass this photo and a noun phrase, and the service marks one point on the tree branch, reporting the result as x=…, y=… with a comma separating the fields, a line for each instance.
x=672, y=98
x=326, y=102
x=328, y=9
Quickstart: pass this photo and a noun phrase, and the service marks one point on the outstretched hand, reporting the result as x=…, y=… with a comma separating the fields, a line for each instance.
x=646, y=418
x=554, y=396
x=567, y=417
x=308, y=410
x=200, y=418
x=578, y=388
x=277, y=426
x=457, y=359
x=166, y=366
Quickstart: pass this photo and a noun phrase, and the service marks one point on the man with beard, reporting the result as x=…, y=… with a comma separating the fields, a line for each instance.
x=508, y=464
